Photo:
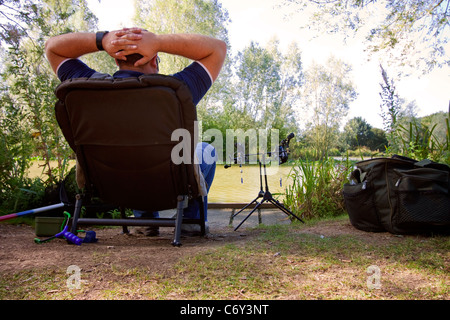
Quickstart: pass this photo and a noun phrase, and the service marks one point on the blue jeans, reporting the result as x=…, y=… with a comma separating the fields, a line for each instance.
x=207, y=157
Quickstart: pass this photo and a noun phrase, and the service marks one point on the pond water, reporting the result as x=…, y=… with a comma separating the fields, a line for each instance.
x=242, y=184
x=234, y=184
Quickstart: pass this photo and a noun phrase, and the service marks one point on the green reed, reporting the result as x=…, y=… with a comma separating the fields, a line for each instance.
x=316, y=189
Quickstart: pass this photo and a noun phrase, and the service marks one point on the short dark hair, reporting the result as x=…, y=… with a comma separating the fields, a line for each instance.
x=131, y=59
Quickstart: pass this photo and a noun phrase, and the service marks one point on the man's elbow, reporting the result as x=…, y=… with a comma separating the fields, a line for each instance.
x=221, y=51
x=48, y=43
x=48, y=46
x=52, y=57
x=222, y=48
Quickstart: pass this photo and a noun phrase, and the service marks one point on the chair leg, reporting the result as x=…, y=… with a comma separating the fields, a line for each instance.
x=124, y=216
x=202, y=216
x=77, y=212
x=182, y=203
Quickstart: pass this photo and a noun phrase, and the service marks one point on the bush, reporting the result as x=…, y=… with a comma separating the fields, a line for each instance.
x=316, y=188
x=364, y=152
x=419, y=141
x=21, y=194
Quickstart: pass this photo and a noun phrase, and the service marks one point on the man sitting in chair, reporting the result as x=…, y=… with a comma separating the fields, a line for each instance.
x=136, y=52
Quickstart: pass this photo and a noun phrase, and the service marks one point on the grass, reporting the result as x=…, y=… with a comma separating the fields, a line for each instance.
x=281, y=262
x=316, y=187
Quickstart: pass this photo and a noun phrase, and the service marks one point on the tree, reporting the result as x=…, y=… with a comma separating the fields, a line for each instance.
x=258, y=84
x=327, y=92
x=15, y=17
x=378, y=141
x=357, y=133
x=206, y=17
x=402, y=24
x=28, y=82
x=291, y=81
x=266, y=88
x=255, y=88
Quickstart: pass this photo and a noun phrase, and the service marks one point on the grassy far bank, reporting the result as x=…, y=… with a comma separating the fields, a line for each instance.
x=320, y=260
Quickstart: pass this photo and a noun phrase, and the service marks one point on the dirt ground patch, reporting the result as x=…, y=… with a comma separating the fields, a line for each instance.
x=20, y=254
x=18, y=251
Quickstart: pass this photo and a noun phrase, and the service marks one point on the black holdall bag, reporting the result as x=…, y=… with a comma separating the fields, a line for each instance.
x=399, y=195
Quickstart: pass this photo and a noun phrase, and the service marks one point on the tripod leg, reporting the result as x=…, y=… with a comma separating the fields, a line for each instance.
x=251, y=212
x=284, y=209
x=249, y=204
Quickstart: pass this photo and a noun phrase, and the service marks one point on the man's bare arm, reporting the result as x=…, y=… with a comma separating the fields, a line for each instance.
x=208, y=51
x=75, y=45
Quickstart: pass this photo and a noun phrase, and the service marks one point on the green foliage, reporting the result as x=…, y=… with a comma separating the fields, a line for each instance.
x=192, y=16
x=409, y=33
x=420, y=141
x=256, y=88
x=408, y=135
x=186, y=16
x=15, y=148
x=316, y=188
x=27, y=98
x=391, y=105
x=259, y=88
x=327, y=93
x=21, y=194
x=359, y=134
x=404, y=23
x=378, y=141
x=265, y=89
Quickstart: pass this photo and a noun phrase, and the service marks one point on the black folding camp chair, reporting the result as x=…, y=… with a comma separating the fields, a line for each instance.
x=121, y=132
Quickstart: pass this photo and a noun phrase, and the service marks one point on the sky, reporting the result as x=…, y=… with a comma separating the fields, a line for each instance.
x=261, y=20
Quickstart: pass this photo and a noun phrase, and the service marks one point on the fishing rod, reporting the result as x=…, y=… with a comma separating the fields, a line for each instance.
x=32, y=211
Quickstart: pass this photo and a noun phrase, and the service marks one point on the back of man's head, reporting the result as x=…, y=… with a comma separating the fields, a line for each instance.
x=131, y=60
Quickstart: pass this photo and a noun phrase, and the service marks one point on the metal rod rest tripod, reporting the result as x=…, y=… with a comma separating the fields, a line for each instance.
x=266, y=197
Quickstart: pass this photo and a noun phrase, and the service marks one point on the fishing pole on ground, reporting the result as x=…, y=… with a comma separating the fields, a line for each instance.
x=32, y=211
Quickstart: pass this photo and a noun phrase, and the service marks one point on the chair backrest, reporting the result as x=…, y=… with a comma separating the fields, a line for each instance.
x=121, y=131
